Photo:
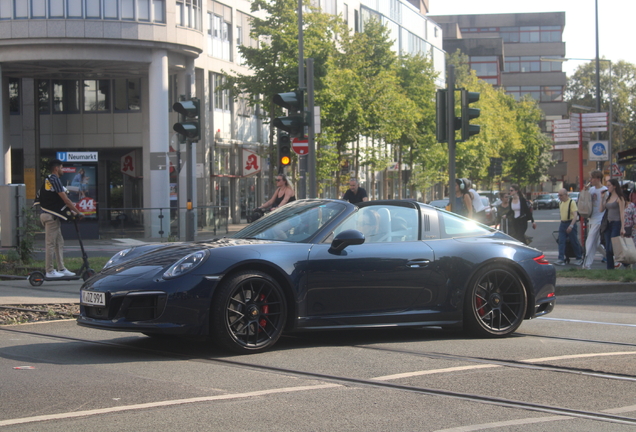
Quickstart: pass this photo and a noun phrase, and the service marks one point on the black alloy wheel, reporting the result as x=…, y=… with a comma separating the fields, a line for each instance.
x=495, y=303
x=248, y=313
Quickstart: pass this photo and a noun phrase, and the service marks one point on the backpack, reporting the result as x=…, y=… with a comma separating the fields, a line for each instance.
x=585, y=203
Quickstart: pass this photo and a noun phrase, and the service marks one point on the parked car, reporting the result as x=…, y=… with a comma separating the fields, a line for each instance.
x=321, y=264
x=545, y=201
x=574, y=196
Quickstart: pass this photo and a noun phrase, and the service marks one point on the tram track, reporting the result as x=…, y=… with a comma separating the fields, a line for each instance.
x=348, y=381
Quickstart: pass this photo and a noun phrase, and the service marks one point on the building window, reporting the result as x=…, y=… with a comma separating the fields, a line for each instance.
x=221, y=98
x=74, y=9
x=93, y=9
x=189, y=13
x=14, y=96
x=127, y=10
x=531, y=64
x=6, y=9
x=220, y=34
x=38, y=8
x=518, y=92
x=56, y=8
x=111, y=9
x=159, y=7
x=66, y=96
x=97, y=95
x=486, y=68
x=551, y=94
x=127, y=94
x=44, y=96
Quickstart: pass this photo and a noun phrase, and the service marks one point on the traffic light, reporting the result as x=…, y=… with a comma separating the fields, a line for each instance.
x=189, y=125
x=495, y=168
x=295, y=121
x=284, y=151
x=468, y=114
x=441, y=130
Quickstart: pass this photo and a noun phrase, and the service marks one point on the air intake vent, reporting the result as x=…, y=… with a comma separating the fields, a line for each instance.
x=427, y=223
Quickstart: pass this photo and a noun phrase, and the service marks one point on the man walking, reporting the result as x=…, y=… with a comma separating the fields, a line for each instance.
x=596, y=217
x=355, y=194
x=55, y=205
x=567, y=229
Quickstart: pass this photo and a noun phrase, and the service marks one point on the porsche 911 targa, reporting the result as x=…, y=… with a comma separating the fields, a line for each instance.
x=322, y=265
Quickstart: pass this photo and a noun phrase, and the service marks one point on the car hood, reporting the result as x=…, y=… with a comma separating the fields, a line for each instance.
x=164, y=256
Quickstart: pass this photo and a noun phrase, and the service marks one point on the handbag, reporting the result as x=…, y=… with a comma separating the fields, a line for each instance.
x=584, y=203
x=604, y=222
x=624, y=250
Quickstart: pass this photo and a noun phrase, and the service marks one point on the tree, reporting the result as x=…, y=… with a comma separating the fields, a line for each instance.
x=273, y=65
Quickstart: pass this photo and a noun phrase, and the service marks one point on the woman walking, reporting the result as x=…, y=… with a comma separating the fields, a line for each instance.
x=522, y=214
x=463, y=203
x=614, y=201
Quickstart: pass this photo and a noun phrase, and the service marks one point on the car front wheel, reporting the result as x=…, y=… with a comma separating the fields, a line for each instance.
x=495, y=302
x=248, y=313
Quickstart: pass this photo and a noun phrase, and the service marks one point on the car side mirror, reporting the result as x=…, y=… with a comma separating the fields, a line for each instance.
x=344, y=239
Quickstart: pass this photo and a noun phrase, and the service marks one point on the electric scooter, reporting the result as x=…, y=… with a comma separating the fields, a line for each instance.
x=36, y=278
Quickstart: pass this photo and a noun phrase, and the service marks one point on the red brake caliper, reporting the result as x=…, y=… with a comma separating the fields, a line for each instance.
x=264, y=310
x=479, y=302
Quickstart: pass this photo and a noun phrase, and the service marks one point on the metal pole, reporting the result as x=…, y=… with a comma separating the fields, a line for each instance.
x=450, y=132
x=301, y=61
x=599, y=164
x=610, y=141
x=311, y=157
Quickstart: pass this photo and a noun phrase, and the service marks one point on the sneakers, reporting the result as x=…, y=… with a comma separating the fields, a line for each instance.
x=67, y=273
x=54, y=274
x=559, y=262
x=578, y=262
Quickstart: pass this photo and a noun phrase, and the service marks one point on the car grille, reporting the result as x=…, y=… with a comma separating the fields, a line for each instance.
x=135, y=307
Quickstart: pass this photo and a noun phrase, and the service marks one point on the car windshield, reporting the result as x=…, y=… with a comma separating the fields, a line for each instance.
x=296, y=222
x=544, y=197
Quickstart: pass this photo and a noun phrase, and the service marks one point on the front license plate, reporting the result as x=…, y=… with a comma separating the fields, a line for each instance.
x=92, y=298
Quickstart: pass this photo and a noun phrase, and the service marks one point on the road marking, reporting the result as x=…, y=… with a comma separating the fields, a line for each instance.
x=488, y=366
x=62, y=416
x=587, y=322
x=519, y=422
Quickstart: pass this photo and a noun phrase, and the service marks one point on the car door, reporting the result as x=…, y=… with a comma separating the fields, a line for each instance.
x=387, y=274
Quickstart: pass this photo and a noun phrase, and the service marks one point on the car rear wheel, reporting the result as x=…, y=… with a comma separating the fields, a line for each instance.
x=495, y=302
x=248, y=313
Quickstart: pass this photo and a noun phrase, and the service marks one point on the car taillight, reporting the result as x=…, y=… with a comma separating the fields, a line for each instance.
x=541, y=260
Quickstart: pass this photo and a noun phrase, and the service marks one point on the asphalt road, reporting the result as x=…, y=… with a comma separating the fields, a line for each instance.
x=573, y=370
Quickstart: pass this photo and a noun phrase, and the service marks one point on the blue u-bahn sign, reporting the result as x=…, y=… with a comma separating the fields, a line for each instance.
x=77, y=156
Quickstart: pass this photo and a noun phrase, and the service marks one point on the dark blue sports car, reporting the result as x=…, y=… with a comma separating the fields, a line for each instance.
x=325, y=264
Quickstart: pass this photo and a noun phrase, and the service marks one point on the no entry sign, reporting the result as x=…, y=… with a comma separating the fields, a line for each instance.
x=300, y=146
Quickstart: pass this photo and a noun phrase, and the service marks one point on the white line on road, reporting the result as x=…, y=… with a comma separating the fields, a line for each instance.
x=587, y=322
x=62, y=416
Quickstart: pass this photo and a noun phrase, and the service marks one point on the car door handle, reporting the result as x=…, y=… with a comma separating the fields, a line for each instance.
x=417, y=263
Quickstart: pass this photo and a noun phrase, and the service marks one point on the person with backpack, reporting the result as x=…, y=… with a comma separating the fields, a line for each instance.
x=522, y=214
x=55, y=205
x=595, y=218
x=567, y=229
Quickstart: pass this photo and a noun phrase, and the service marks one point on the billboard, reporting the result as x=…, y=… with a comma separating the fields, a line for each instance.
x=80, y=180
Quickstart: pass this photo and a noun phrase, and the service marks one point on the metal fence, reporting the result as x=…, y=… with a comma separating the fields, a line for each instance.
x=159, y=222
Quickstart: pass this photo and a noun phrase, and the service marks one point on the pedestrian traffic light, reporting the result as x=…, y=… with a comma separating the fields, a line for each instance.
x=495, y=168
x=468, y=114
x=189, y=123
x=284, y=151
x=294, y=123
x=441, y=129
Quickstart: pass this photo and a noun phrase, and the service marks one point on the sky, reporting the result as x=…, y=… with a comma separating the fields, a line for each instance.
x=615, y=17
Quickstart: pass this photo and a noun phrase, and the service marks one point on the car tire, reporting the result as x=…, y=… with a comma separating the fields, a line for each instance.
x=248, y=313
x=495, y=302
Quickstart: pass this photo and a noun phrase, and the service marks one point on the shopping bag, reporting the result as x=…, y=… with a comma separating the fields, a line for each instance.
x=584, y=203
x=624, y=250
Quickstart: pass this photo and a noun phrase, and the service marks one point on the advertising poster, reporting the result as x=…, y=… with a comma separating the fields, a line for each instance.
x=80, y=181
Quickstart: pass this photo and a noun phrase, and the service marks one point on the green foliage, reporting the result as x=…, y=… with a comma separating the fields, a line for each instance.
x=27, y=235
x=620, y=275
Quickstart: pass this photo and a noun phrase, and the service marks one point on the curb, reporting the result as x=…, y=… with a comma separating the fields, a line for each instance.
x=596, y=287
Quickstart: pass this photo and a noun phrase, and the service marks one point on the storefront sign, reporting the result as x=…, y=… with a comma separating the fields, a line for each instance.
x=251, y=163
x=77, y=156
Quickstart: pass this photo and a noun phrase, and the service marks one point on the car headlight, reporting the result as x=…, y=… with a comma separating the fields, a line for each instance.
x=186, y=264
x=117, y=258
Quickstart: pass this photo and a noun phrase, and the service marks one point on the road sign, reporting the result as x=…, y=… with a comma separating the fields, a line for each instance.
x=300, y=146
x=595, y=129
x=598, y=151
x=616, y=172
x=565, y=146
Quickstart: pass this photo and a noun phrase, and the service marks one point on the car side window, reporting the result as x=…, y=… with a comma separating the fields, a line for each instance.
x=382, y=224
x=455, y=226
